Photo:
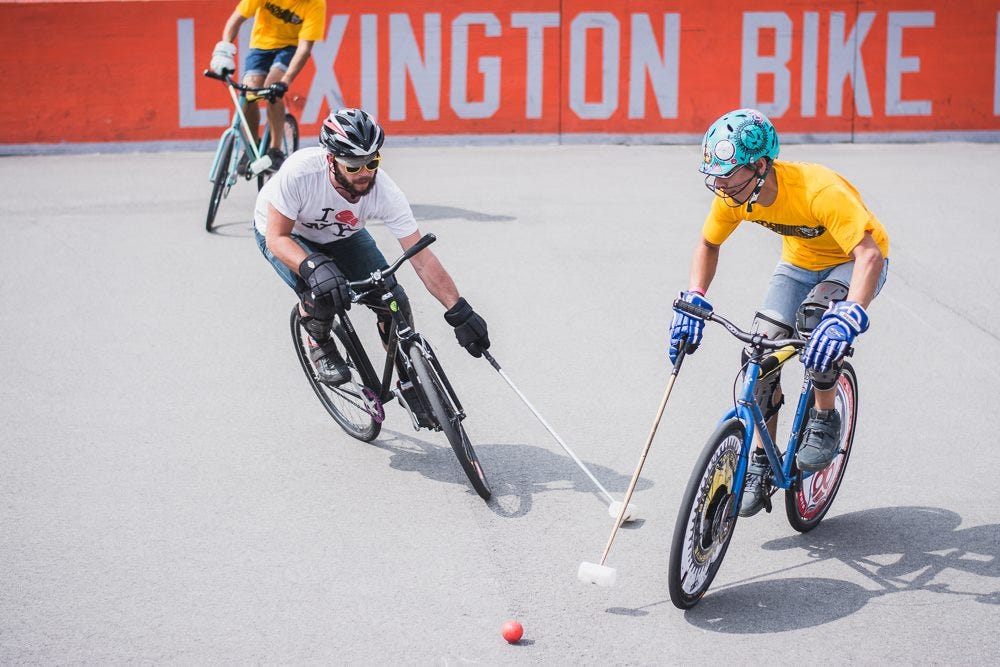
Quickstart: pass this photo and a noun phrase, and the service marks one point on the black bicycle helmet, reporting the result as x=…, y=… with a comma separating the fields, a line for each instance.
x=352, y=136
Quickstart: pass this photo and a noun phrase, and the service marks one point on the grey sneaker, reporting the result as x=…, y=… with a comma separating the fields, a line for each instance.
x=755, y=489
x=819, y=441
x=330, y=367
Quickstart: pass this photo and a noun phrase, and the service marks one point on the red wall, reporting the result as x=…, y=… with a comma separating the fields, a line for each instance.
x=131, y=71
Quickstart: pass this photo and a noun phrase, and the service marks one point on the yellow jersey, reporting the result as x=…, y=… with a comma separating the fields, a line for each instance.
x=817, y=212
x=281, y=23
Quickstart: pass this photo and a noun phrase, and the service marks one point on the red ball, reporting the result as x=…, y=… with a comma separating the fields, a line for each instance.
x=512, y=631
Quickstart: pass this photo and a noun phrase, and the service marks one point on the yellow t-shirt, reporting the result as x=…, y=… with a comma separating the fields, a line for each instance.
x=819, y=215
x=281, y=23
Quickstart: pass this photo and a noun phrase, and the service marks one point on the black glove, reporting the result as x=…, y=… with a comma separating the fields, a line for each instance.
x=470, y=328
x=278, y=89
x=328, y=293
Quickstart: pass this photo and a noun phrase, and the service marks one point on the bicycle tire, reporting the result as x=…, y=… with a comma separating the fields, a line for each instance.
x=219, y=185
x=707, y=516
x=289, y=144
x=808, y=500
x=439, y=403
x=354, y=406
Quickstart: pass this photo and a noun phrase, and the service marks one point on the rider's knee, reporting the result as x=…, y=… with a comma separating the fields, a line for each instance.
x=826, y=379
x=811, y=310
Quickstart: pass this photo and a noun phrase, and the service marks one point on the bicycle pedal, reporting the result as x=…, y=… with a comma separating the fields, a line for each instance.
x=260, y=165
x=767, y=502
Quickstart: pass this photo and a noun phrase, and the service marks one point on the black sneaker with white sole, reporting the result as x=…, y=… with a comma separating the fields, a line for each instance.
x=330, y=367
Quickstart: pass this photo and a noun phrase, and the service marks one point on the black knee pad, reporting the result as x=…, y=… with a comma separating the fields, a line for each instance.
x=769, y=324
x=811, y=309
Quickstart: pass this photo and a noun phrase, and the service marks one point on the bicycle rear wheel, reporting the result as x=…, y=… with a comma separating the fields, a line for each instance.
x=289, y=144
x=707, y=517
x=354, y=406
x=440, y=405
x=808, y=499
x=219, y=183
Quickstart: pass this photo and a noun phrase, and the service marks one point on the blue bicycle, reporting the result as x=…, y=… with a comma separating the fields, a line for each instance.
x=237, y=155
x=708, y=513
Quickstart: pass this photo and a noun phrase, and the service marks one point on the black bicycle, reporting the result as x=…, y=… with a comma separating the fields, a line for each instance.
x=358, y=405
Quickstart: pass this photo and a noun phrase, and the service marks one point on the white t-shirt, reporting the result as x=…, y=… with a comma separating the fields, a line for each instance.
x=302, y=191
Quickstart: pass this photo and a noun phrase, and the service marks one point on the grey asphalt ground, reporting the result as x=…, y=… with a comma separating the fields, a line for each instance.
x=172, y=492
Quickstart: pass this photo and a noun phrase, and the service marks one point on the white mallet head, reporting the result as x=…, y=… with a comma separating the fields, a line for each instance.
x=631, y=513
x=592, y=573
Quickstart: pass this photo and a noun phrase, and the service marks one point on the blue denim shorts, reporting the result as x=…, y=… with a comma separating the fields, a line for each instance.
x=791, y=284
x=357, y=256
x=260, y=61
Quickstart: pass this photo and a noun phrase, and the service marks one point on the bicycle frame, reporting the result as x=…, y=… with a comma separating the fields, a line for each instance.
x=239, y=129
x=748, y=412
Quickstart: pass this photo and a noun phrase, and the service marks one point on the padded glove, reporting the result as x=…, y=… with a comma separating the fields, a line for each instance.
x=836, y=331
x=470, y=328
x=223, y=61
x=689, y=327
x=328, y=294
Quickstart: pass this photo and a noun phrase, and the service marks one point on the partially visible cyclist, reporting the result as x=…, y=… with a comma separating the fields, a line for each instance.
x=834, y=261
x=309, y=222
x=280, y=45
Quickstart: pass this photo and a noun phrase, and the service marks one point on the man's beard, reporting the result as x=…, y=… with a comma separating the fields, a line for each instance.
x=351, y=190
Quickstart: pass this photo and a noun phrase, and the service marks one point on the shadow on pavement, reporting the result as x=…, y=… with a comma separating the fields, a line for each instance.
x=515, y=472
x=897, y=549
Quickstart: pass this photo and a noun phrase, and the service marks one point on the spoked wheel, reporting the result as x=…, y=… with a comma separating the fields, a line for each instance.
x=289, y=144
x=440, y=405
x=810, y=496
x=352, y=405
x=707, y=517
x=220, y=187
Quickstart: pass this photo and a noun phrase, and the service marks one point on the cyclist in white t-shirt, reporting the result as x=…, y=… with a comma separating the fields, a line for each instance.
x=310, y=224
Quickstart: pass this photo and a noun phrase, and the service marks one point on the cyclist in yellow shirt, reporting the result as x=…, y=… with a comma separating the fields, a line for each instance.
x=834, y=261
x=280, y=44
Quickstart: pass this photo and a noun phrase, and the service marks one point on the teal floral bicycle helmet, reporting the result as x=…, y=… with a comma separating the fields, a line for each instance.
x=740, y=137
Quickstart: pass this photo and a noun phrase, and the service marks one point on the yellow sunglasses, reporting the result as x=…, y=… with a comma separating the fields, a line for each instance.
x=371, y=166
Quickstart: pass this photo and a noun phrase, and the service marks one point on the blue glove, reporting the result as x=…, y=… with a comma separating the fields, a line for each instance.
x=836, y=331
x=687, y=326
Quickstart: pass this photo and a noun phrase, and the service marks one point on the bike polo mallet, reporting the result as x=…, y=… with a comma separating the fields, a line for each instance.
x=599, y=573
x=615, y=507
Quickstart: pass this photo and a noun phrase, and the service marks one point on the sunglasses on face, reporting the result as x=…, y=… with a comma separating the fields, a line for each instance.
x=372, y=165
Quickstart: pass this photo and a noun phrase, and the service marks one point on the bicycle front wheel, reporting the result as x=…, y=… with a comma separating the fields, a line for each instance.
x=354, y=406
x=219, y=182
x=707, y=517
x=808, y=499
x=440, y=405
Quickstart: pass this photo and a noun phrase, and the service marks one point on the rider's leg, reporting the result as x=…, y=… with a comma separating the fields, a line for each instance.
x=822, y=430
x=276, y=109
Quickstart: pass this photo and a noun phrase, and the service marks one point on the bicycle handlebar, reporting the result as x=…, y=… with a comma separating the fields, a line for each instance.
x=380, y=275
x=258, y=93
x=757, y=340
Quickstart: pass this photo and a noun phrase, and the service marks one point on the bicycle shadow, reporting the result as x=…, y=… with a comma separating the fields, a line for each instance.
x=896, y=549
x=425, y=212
x=236, y=229
x=516, y=472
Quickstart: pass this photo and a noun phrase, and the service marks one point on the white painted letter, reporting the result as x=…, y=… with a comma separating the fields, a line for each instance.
x=190, y=116
x=896, y=65
x=324, y=84
x=536, y=23
x=754, y=64
x=810, y=59
x=610, y=29
x=845, y=62
x=489, y=67
x=404, y=56
x=663, y=71
x=369, y=63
